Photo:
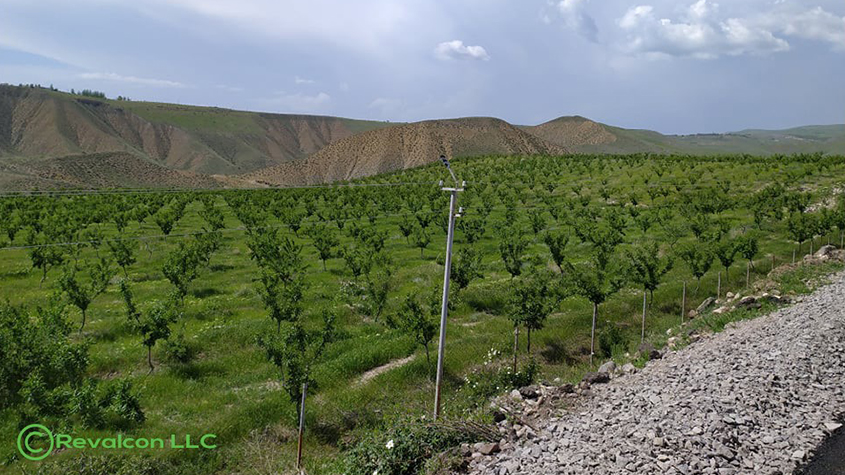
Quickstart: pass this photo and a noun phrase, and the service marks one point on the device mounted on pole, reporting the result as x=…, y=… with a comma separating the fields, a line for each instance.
x=444, y=310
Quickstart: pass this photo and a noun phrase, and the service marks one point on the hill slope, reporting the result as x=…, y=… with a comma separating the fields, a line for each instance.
x=586, y=136
x=406, y=146
x=53, y=139
x=38, y=123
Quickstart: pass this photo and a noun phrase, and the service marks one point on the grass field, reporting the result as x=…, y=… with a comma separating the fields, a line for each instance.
x=229, y=388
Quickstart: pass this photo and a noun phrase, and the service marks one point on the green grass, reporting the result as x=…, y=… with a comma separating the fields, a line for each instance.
x=230, y=389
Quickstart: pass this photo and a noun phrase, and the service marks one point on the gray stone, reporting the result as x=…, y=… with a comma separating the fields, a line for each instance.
x=489, y=448
x=596, y=378
x=707, y=303
x=608, y=367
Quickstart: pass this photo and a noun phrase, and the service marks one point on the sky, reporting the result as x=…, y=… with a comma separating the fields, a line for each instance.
x=673, y=66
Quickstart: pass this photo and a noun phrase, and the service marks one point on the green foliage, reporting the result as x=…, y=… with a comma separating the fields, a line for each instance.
x=698, y=257
x=466, y=267
x=182, y=267
x=152, y=325
x=611, y=341
x=296, y=351
x=123, y=254
x=725, y=250
x=81, y=295
x=165, y=219
x=324, y=240
x=646, y=267
x=534, y=297
x=557, y=242
x=403, y=448
x=512, y=246
x=416, y=321
x=42, y=374
x=421, y=238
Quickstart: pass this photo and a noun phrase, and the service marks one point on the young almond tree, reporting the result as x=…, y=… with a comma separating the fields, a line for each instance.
x=534, y=298
x=282, y=300
x=421, y=239
x=557, y=242
x=165, y=219
x=725, y=250
x=512, y=246
x=42, y=255
x=596, y=284
x=153, y=325
x=748, y=246
x=324, y=241
x=406, y=227
x=296, y=351
x=466, y=267
x=416, y=322
x=800, y=228
x=472, y=227
x=646, y=268
x=698, y=257
x=81, y=295
x=181, y=268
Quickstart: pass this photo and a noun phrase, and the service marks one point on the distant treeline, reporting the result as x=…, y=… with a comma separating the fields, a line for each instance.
x=84, y=92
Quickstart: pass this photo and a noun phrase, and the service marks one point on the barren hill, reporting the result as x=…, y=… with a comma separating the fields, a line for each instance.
x=39, y=123
x=406, y=146
x=572, y=131
x=100, y=170
x=54, y=139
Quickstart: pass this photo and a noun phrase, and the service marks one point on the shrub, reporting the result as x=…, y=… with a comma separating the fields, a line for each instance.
x=611, y=340
x=406, y=446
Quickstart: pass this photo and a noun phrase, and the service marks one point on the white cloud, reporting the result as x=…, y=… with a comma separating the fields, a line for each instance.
x=131, y=79
x=577, y=19
x=455, y=49
x=344, y=87
x=300, y=80
x=300, y=102
x=699, y=34
x=815, y=24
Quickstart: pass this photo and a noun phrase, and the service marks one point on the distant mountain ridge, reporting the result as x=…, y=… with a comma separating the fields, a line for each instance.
x=53, y=139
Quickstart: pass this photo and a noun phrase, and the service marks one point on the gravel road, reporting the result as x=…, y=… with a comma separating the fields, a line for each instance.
x=758, y=398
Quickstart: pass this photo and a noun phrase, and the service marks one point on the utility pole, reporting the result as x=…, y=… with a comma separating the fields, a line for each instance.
x=444, y=309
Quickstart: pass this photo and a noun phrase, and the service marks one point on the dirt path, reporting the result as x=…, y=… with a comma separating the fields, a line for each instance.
x=369, y=375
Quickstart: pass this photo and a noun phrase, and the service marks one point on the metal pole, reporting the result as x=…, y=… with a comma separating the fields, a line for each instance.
x=444, y=309
x=719, y=287
x=301, y=426
x=747, y=274
x=642, y=337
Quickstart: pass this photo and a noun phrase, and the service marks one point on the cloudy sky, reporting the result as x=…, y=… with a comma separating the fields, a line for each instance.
x=673, y=66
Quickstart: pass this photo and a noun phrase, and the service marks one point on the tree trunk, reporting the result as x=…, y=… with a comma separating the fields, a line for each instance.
x=528, y=336
x=515, y=345
x=150, y=358
x=83, y=321
x=324, y=265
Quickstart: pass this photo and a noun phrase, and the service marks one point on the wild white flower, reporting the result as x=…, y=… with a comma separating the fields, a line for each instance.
x=389, y=444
